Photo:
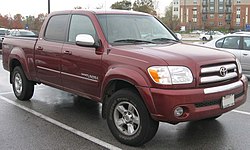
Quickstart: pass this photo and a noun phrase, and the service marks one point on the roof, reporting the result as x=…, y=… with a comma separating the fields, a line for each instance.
x=99, y=11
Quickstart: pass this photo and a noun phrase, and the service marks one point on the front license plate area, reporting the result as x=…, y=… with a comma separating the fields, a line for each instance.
x=227, y=101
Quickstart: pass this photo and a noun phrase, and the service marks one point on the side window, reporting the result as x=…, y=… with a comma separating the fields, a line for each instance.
x=56, y=28
x=231, y=42
x=246, y=43
x=219, y=43
x=80, y=25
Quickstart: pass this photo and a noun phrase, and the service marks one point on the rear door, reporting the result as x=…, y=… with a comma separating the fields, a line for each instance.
x=230, y=44
x=81, y=66
x=245, y=55
x=48, y=51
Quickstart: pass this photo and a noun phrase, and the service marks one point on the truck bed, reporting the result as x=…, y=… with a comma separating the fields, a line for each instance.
x=25, y=45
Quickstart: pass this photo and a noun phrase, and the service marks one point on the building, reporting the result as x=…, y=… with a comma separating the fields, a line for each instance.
x=212, y=14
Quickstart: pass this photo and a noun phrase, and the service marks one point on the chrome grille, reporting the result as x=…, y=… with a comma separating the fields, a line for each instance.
x=218, y=73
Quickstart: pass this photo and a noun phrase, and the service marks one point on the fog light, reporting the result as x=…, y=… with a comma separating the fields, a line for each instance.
x=178, y=111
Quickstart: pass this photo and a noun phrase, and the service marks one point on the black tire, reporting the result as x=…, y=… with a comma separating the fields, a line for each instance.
x=130, y=123
x=204, y=39
x=211, y=38
x=22, y=87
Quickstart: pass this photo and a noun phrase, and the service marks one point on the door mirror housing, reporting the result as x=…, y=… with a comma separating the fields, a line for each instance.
x=85, y=40
x=178, y=36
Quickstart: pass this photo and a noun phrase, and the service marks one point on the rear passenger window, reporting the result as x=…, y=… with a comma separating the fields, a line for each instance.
x=80, y=25
x=56, y=28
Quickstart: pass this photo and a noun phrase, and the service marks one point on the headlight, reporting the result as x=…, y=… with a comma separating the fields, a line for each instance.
x=239, y=66
x=169, y=75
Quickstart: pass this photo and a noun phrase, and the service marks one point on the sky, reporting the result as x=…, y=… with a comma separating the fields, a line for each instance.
x=35, y=7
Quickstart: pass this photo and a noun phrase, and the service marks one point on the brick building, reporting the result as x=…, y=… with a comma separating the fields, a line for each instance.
x=212, y=14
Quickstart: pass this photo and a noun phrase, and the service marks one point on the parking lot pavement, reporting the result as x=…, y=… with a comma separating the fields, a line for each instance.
x=54, y=119
x=23, y=130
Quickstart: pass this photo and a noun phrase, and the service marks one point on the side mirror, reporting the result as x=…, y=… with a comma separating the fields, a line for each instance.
x=178, y=36
x=85, y=40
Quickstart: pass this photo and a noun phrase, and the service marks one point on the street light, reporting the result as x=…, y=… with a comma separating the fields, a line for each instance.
x=48, y=6
x=243, y=23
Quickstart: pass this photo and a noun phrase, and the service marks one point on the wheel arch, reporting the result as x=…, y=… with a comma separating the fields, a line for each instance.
x=115, y=81
x=17, y=58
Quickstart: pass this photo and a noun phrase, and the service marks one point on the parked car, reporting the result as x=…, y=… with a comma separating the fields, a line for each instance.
x=209, y=35
x=196, y=32
x=3, y=32
x=237, y=44
x=241, y=32
x=22, y=33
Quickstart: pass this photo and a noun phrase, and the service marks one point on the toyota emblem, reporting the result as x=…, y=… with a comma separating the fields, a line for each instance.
x=223, y=71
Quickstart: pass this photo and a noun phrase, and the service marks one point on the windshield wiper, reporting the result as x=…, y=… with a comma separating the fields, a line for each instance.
x=133, y=41
x=164, y=39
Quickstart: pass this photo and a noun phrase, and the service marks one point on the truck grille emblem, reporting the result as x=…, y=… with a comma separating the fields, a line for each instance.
x=223, y=71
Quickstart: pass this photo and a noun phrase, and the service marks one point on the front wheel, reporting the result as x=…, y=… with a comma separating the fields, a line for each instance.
x=129, y=120
x=22, y=87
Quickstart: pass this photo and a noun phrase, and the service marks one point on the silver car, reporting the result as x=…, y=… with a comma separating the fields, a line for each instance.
x=237, y=44
x=3, y=32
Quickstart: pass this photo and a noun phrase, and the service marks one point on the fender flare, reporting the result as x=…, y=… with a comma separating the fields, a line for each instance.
x=134, y=78
x=19, y=55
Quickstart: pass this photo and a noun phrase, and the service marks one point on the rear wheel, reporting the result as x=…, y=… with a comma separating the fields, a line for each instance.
x=22, y=87
x=204, y=39
x=129, y=120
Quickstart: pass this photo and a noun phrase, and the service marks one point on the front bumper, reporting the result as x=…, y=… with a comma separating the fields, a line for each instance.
x=197, y=103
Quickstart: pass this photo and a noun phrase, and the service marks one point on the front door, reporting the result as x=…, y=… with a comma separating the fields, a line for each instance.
x=81, y=66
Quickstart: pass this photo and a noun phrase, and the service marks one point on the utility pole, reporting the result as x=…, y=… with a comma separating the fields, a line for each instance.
x=48, y=6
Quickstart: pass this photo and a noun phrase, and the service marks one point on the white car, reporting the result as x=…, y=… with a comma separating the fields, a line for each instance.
x=241, y=32
x=237, y=44
x=209, y=35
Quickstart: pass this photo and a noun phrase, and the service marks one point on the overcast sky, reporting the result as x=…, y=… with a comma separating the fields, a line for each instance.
x=34, y=7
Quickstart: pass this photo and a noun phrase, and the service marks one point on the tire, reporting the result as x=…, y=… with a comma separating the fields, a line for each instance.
x=211, y=38
x=204, y=39
x=22, y=87
x=129, y=120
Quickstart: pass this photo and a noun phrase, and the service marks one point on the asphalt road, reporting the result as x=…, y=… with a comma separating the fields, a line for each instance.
x=54, y=119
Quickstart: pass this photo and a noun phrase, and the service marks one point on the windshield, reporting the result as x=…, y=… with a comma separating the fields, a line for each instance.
x=134, y=29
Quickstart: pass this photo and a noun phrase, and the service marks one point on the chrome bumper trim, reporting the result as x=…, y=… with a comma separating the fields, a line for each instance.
x=223, y=88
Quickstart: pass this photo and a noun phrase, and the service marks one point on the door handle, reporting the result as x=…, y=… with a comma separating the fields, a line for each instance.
x=245, y=54
x=40, y=48
x=67, y=52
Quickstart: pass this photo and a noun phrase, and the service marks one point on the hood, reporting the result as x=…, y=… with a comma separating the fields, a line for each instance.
x=180, y=53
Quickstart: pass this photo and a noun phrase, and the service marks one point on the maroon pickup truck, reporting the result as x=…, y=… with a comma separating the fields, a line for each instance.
x=131, y=63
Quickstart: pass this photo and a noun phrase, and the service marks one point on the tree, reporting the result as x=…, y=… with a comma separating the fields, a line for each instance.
x=17, y=22
x=124, y=5
x=4, y=21
x=28, y=21
x=171, y=20
x=39, y=22
x=78, y=7
x=146, y=6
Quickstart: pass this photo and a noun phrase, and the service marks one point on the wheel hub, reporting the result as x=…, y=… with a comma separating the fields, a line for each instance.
x=18, y=83
x=128, y=117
